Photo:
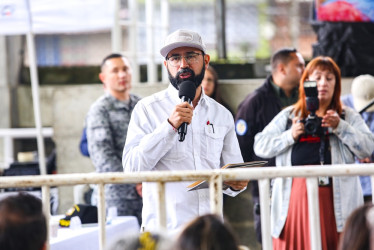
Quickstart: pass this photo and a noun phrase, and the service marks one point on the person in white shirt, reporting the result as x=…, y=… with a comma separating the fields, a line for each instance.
x=152, y=140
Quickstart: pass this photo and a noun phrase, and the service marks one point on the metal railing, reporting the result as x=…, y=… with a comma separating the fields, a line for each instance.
x=215, y=177
x=9, y=134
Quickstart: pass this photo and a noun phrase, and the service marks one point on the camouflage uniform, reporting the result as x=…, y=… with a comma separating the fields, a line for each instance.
x=107, y=122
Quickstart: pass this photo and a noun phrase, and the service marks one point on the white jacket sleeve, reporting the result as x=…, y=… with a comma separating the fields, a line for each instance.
x=274, y=139
x=146, y=145
x=355, y=134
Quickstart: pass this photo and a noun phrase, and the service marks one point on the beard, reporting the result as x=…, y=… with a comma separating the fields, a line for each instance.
x=197, y=79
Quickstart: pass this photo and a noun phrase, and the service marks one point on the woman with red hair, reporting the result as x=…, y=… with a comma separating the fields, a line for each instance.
x=316, y=130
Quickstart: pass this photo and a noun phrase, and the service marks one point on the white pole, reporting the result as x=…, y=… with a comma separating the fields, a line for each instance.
x=161, y=206
x=372, y=182
x=151, y=64
x=133, y=41
x=35, y=94
x=46, y=197
x=215, y=194
x=294, y=23
x=116, y=29
x=313, y=206
x=5, y=102
x=101, y=215
x=37, y=116
x=264, y=189
x=164, y=33
x=8, y=151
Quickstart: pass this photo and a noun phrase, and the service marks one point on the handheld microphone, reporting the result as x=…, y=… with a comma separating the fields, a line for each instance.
x=187, y=91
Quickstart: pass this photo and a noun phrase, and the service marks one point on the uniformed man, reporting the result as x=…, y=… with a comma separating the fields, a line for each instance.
x=107, y=122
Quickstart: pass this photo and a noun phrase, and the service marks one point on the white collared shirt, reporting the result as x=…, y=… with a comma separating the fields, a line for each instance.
x=152, y=145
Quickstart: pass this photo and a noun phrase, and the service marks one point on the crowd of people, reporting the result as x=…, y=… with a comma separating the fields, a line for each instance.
x=295, y=118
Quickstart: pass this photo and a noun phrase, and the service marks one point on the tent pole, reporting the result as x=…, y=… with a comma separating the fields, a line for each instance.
x=38, y=123
x=35, y=94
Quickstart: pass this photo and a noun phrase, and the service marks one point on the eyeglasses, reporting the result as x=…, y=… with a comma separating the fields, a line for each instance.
x=175, y=61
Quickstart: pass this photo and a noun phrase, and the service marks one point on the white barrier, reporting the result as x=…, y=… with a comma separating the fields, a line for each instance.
x=215, y=177
x=9, y=134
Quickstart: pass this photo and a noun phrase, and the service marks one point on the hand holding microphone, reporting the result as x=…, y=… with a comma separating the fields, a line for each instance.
x=182, y=114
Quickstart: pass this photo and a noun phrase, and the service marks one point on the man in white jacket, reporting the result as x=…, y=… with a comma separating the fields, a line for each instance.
x=152, y=140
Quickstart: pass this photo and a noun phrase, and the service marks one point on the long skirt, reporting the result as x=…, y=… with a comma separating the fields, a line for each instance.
x=296, y=232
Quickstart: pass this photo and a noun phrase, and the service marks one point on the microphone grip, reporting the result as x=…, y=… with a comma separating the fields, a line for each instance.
x=182, y=130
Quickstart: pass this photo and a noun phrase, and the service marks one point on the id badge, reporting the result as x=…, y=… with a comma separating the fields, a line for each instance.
x=323, y=180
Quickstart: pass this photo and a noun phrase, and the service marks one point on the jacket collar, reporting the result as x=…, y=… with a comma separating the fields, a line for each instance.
x=119, y=104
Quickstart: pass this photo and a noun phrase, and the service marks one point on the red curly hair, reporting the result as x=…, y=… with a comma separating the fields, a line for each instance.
x=322, y=63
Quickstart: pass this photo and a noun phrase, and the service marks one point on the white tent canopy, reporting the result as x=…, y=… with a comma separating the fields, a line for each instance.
x=50, y=16
x=19, y=17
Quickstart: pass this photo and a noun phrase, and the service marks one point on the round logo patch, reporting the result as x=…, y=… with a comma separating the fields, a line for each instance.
x=241, y=127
